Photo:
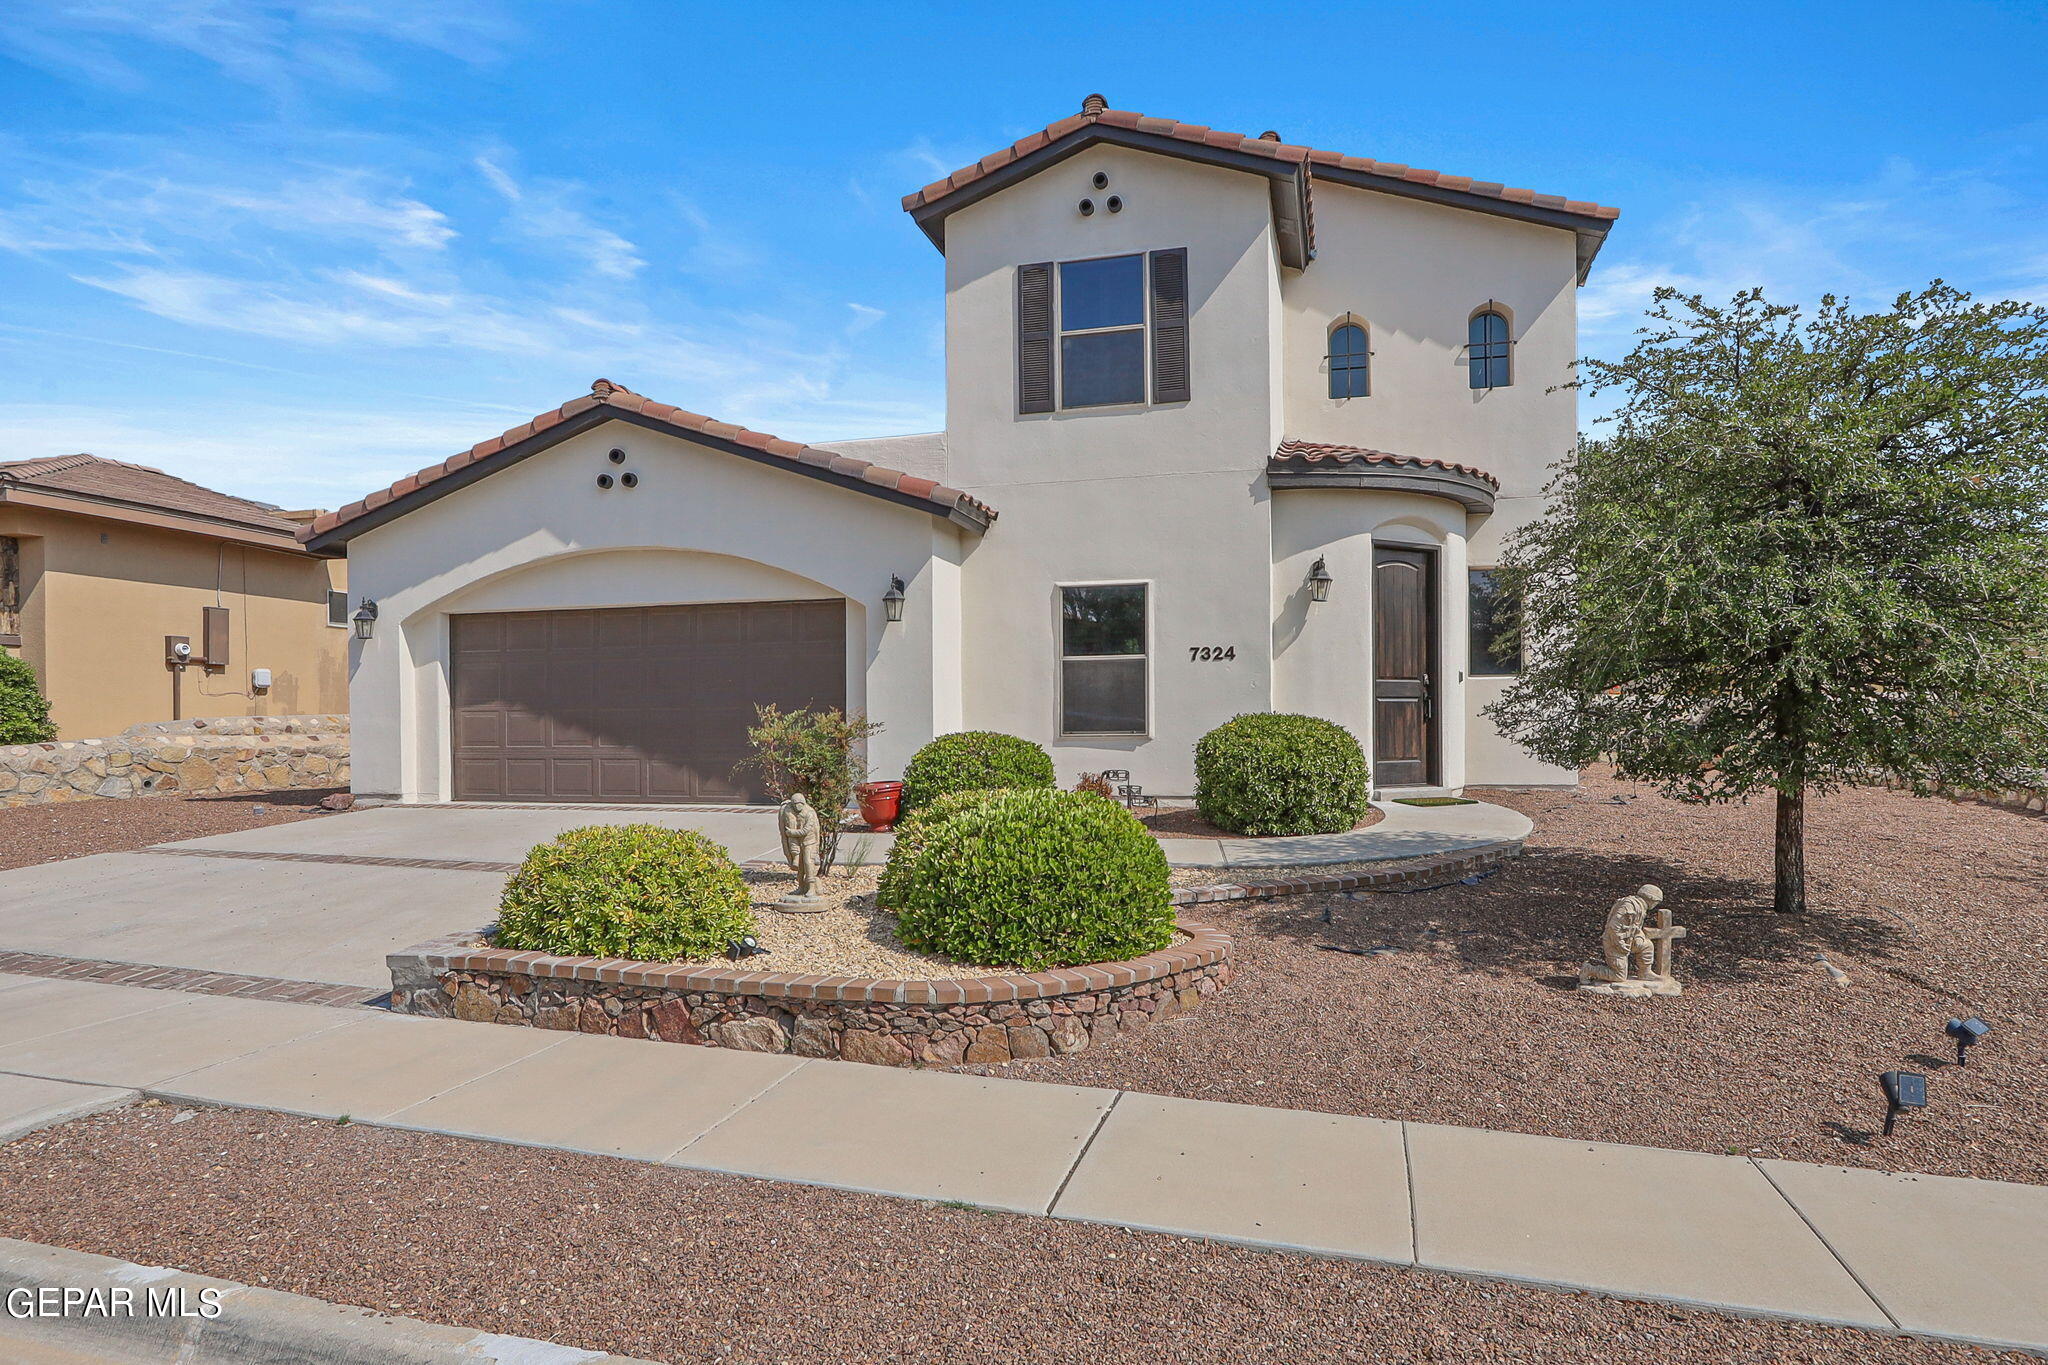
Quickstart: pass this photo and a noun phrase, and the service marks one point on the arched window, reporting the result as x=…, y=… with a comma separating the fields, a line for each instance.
x=1350, y=362
x=1486, y=351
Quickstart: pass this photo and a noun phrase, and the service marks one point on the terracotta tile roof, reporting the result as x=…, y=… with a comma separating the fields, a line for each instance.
x=134, y=485
x=603, y=393
x=1309, y=455
x=1270, y=147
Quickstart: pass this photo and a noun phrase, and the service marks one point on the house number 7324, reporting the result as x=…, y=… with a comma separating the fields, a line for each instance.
x=1210, y=653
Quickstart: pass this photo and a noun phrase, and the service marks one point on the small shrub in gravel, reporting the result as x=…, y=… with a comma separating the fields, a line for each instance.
x=911, y=835
x=973, y=760
x=642, y=892
x=24, y=711
x=1033, y=880
x=1280, y=774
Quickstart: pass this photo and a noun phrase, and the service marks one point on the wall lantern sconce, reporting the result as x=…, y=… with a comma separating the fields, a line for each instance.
x=1319, y=581
x=892, y=600
x=1967, y=1033
x=365, y=619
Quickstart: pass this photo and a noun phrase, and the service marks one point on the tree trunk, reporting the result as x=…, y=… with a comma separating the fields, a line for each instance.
x=1791, y=894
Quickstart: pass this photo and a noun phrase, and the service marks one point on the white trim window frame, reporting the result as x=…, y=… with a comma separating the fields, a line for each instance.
x=1062, y=333
x=1144, y=658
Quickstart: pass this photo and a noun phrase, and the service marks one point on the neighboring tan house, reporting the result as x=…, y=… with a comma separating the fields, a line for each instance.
x=1232, y=425
x=106, y=566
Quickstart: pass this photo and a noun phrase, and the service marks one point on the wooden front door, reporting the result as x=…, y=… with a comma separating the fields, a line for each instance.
x=1403, y=667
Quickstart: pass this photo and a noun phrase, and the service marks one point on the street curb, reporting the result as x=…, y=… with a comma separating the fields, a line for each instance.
x=252, y=1324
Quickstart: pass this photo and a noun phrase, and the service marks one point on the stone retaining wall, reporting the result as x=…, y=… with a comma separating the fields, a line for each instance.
x=887, y=1022
x=242, y=753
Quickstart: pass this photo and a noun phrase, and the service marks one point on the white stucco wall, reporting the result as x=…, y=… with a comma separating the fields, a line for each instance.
x=703, y=526
x=1172, y=495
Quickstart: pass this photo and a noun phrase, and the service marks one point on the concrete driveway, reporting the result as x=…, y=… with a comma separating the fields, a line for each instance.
x=314, y=900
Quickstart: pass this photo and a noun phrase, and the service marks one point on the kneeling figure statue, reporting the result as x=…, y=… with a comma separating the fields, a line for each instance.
x=1635, y=958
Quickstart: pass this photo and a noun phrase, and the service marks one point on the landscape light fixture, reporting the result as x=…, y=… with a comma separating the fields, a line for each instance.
x=892, y=600
x=365, y=619
x=1967, y=1033
x=1902, y=1090
x=1319, y=581
x=744, y=946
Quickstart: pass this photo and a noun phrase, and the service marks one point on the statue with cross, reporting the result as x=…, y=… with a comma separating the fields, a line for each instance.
x=1635, y=955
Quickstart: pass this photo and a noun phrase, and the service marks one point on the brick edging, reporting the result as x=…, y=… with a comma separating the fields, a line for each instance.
x=192, y=980
x=426, y=964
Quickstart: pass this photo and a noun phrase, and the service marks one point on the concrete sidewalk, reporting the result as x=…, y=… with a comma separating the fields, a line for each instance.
x=1960, y=1259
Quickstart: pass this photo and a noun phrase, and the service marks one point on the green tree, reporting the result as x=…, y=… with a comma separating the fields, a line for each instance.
x=1810, y=554
x=24, y=711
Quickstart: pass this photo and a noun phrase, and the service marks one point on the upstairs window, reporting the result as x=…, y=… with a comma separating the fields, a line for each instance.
x=1105, y=670
x=337, y=609
x=1486, y=351
x=1350, y=362
x=1493, y=617
x=1100, y=333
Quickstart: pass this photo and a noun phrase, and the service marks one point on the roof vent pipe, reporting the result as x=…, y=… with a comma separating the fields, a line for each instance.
x=1094, y=104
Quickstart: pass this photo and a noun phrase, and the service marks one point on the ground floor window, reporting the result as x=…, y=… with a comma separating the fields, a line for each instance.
x=1493, y=620
x=1104, y=659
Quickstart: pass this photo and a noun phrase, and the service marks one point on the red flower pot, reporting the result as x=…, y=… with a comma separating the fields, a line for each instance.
x=880, y=803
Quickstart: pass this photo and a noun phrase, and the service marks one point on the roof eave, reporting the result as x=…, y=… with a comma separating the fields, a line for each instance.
x=71, y=501
x=1473, y=494
x=333, y=542
x=1591, y=231
x=1290, y=181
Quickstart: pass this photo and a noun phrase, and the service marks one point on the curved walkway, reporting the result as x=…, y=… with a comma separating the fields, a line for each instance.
x=1406, y=832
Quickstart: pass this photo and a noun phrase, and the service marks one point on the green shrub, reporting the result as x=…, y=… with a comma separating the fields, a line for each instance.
x=973, y=760
x=1036, y=879
x=24, y=713
x=817, y=753
x=911, y=834
x=1280, y=774
x=642, y=892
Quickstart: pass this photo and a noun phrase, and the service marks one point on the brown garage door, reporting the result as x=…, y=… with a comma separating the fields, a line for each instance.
x=632, y=704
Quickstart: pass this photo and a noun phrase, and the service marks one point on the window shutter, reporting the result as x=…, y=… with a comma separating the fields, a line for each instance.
x=1034, y=338
x=1170, y=326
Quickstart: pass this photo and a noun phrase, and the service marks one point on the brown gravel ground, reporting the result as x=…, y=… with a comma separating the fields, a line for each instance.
x=1933, y=908
x=682, y=1266
x=72, y=829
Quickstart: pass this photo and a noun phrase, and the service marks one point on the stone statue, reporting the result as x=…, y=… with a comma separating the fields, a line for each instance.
x=1635, y=957
x=797, y=822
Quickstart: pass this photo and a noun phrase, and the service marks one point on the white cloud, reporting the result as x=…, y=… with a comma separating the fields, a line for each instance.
x=864, y=317
x=274, y=45
x=540, y=212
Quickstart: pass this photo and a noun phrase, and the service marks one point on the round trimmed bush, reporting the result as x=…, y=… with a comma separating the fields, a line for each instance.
x=642, y=892
x=1281, y=774
x=973, y=760
x=911, y=834
x=1035, y=879
x=24, y=712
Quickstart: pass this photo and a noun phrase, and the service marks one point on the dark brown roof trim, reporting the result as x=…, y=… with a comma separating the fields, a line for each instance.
x=1307, y=464
x=1288, y=181
x=607, y=402
x=146, y=513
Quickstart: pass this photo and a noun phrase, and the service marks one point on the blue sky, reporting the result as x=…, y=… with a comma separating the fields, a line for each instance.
x=297, y=249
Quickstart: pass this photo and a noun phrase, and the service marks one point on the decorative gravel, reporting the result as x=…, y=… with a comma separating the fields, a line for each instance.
x=685, y=1266
x=1465, y=1010
x=73, y=829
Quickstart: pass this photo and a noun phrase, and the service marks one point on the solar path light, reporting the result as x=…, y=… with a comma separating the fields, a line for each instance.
x=1967, y=1033
x=1902, y=1090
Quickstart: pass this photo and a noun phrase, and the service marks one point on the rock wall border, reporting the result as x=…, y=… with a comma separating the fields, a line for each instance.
x=236, y=754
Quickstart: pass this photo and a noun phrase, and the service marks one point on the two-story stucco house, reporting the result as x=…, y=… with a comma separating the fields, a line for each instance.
x=1231, y=425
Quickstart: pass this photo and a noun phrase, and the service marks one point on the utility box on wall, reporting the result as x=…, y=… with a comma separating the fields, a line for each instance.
x=214, y=633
